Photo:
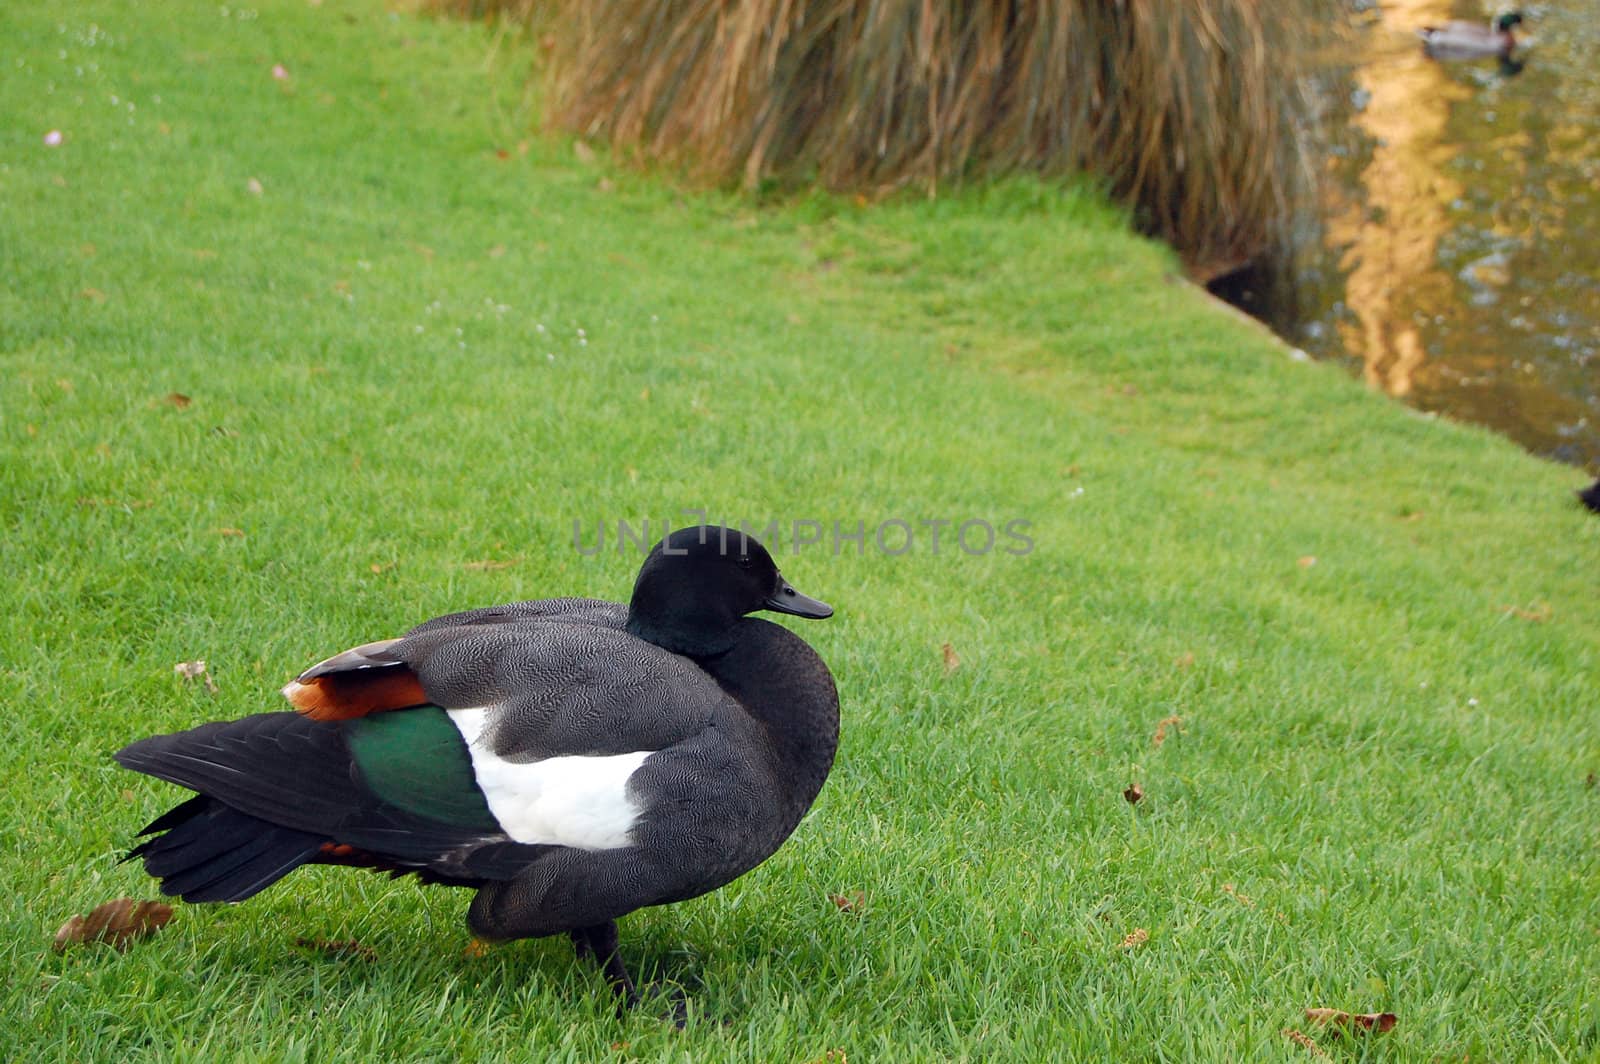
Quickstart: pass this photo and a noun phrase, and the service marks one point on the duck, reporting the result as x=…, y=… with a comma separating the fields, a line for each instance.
x=571, y=760
x=1590, y=497
x=1470, y=40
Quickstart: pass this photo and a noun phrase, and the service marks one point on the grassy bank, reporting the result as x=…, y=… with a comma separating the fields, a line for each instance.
x=291, y=363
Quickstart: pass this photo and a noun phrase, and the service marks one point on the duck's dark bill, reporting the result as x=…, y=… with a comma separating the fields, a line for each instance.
x=787, y=600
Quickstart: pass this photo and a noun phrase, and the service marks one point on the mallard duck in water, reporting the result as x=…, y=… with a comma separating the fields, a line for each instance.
x=1470, y=40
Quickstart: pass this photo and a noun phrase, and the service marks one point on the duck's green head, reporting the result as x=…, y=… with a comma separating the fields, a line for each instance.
x=1506, y=21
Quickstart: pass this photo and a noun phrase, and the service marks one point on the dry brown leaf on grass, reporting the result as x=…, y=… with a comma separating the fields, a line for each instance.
x=116, y=923
x=196, y=670
x=177, y=399
x=1133, y=794
x=1173, y=721
x=488, y=565
x=475, y=949
x=952, y=661
x=1307, y=561
x=1242, y=899
x=230, y=531
x=849, y=902
x=1137, y=937
x=338, y=948
x=1538, y=613
x=1305, y=1040
x=1369, y=1021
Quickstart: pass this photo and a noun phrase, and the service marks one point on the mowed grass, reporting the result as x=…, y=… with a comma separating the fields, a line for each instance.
x=419, y=343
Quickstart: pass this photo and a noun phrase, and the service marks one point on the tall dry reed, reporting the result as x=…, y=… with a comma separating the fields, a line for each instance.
x=1188, y=110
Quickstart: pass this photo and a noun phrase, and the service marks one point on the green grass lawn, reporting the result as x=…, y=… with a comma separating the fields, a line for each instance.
x=420, y=342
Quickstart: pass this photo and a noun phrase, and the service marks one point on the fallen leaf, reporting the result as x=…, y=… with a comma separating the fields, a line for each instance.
x=1307, y=561
x=253, y=186
x=475, y=949
x=1590, y=780
x=116, y=923
x=342, y=948
x=1305, y=1040
x=383, y=568
x=191, y=670
x=1242, y=899
x=178, y=399
x=1174, y=721
x=229, y=530
x=1133, y=794
x=1184, y=660
x=488, y=565
x=1537, y=614
x=1371, y=1021
x=1137, y=937
x=951, y=661
x=853, y=902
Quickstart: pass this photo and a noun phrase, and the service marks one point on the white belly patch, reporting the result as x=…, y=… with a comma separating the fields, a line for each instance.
x=574, y=801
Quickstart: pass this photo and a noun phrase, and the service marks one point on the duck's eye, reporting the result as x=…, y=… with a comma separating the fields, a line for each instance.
x=744, y=561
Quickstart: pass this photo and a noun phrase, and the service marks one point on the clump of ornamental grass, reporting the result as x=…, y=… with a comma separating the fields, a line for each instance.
x=1189, y=111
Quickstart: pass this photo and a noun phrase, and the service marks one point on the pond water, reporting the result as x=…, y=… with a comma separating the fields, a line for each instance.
x=1456, y=262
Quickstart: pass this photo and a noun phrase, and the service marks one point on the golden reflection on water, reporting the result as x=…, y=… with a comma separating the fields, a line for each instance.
x=1457, y=262
x=1392, y=238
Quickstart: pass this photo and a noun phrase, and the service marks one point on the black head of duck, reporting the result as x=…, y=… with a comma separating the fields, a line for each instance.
x=570, y=759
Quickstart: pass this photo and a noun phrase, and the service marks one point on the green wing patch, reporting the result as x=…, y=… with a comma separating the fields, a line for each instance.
x=416, y=760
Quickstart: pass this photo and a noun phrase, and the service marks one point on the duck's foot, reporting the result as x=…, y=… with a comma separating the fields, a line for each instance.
x=676, y=1000
x=599, y=945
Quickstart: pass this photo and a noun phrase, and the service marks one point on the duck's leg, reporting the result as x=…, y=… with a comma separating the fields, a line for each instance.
x=599, y=942
x=528, y=906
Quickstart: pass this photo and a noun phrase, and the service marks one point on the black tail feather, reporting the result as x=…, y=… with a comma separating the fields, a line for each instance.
x=210, y=852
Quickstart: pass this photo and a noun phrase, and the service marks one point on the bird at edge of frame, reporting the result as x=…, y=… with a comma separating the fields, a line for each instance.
x=572, y=760
x=1459, y=40
x=1590, y=497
